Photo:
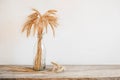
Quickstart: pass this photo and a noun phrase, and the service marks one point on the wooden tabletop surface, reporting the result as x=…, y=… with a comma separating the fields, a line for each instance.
x=83, y=72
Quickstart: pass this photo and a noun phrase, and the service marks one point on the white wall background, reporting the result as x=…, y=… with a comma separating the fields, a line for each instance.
x=88, y=32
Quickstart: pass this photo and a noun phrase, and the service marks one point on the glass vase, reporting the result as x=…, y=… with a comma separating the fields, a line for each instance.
x=42, y=62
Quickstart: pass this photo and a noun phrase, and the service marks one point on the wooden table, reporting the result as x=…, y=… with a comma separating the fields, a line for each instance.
x=111, y=72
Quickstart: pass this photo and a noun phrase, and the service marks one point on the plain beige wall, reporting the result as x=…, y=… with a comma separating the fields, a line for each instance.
x=88, y=32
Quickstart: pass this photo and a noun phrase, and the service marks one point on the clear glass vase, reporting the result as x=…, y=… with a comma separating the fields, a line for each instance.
x=42, y=66
x=43, y=61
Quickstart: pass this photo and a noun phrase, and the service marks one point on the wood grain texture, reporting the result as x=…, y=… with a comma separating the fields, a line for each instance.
x=111, y=72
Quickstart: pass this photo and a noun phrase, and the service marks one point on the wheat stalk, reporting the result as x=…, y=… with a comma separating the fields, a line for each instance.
x=39, y=23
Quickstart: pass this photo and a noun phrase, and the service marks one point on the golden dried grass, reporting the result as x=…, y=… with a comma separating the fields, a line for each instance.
x=39, y=23
x=57, y=68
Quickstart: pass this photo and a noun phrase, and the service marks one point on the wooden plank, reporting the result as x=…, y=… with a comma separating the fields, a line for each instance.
x=87, y=72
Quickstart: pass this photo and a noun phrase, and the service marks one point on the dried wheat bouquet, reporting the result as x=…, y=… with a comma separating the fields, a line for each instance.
x=40, y=22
